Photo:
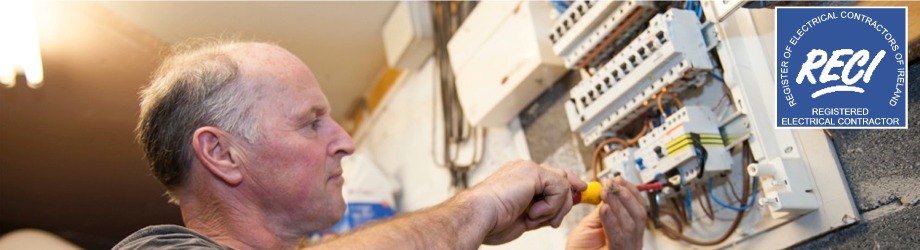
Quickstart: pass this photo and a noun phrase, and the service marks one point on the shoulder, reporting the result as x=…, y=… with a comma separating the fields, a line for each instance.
x=167, y=236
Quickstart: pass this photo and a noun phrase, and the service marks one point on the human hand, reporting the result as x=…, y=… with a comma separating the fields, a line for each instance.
x=617, y=223
x=522, y=196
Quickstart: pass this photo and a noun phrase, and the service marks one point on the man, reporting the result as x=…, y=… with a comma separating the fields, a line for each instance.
x=240, y=134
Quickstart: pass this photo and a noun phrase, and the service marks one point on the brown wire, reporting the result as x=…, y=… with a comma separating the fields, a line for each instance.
x=731, y=186
x=609, y=39
x=746, y=188
x=597, y=160
x=707, y=211
x=673, y=96
x=674, y=216
x=641, y=133
x=675, y=202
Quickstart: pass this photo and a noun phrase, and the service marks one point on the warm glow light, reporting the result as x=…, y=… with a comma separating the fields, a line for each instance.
x=19, y=50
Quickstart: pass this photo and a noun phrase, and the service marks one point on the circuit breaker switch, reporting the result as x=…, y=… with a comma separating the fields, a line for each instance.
x=687, y=143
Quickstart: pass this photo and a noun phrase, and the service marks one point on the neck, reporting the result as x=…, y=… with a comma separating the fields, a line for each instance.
x=232, y=223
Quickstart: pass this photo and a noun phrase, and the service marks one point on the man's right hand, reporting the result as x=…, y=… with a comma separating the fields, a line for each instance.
x=617, y=223
x=522, y=196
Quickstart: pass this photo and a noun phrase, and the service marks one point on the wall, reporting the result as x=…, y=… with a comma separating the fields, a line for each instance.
x=399, y=140
x=883, y=168
x=68, y=160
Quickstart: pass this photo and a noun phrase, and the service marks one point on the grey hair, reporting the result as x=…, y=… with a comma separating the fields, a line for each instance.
x=196, y=85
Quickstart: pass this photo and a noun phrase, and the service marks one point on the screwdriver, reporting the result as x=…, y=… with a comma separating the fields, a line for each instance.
x=592, y=195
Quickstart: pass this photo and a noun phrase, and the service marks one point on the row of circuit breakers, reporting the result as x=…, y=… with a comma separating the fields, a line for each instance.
x=637, y=60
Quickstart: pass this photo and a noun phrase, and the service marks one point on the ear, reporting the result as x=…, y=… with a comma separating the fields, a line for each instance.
x=213, y=149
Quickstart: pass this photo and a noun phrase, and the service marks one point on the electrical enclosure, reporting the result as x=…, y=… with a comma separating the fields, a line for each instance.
x=502, y=59
x=697, y=81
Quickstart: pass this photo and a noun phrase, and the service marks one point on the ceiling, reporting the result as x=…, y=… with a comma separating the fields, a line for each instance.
x=68, y=160
x=340, y=41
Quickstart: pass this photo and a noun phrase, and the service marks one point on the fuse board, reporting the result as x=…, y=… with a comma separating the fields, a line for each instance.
x=679, y=93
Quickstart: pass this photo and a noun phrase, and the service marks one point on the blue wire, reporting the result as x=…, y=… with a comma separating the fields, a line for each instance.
x=695, y=7
x=699, y=10
x=745, y=207
x=689, y=203
x=559, y=8
x=564, y=4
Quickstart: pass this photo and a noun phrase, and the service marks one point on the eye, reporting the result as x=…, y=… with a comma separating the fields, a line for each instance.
x=314, y=125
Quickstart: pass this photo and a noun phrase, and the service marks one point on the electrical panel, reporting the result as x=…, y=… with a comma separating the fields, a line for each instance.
x=679, y=93
x=502, y=59
x=408, y=35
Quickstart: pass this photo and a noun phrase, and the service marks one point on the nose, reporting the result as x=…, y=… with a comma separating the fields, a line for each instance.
x=341, y=145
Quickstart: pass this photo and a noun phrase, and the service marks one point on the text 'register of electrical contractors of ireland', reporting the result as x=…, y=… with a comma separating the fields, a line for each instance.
x=841, y=67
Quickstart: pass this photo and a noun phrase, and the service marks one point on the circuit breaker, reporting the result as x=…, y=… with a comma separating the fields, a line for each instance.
x=669, y=54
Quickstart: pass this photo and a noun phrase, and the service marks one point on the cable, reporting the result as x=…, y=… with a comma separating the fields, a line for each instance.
x=745, y=159
x=745, y=207
x=609, y=39
x=456, y=130
x=597, y=161
x=559, y=5
x=680, y=225
x=731, y=186
x=672, y=95
x=718, y=77
x=682, y=211
x=641, y=133
x=706, y=210
x=689, y=203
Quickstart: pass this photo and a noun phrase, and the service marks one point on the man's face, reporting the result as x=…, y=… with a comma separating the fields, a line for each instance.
x=294, y=172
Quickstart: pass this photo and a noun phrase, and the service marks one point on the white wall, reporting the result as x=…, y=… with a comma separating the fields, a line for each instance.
x=398, y=138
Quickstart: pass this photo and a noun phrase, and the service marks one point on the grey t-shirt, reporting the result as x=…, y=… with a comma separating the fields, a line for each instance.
x=167, y=237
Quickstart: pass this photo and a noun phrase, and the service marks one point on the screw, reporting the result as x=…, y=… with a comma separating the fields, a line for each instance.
x=788, y=150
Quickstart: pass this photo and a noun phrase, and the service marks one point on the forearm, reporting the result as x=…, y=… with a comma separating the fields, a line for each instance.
x=455, y=224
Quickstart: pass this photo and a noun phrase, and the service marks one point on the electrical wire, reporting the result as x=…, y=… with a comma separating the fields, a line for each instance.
x=677, y=222
x=559, y=5
x=641, y=133
x=743, y=208
x=610, y=38
x=688, y=201
x=457, y=131
x=664, y=91
x=679, y=209
x=706, y=209
x=718, y=77
x=746, y=188
x=597, y=158
x=731, y=186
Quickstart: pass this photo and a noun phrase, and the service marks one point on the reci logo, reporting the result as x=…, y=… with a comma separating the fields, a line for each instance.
x=841, y=67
